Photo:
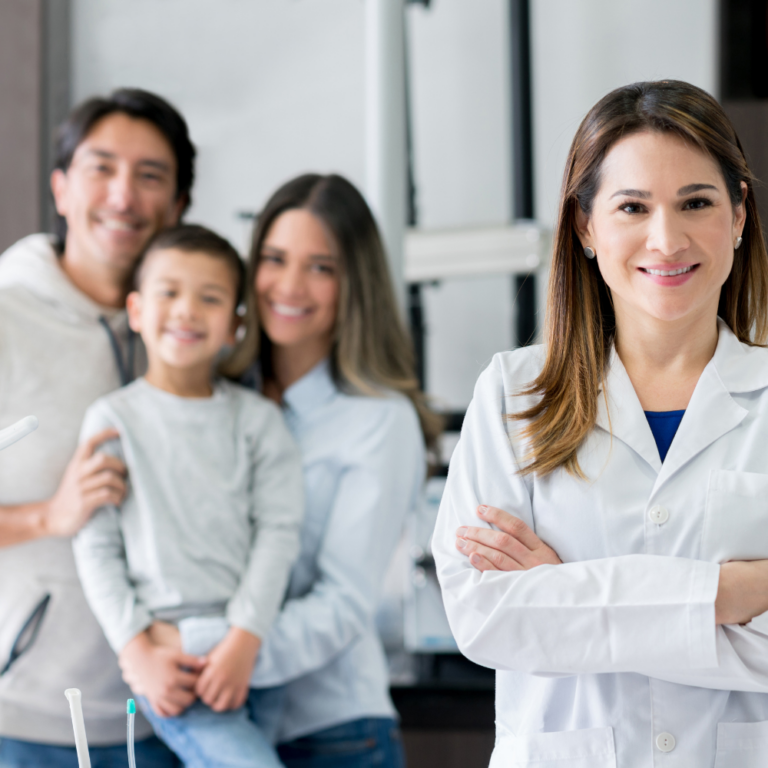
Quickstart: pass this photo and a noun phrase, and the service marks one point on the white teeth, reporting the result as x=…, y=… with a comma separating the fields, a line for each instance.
x=284, y=309
x=670, y=273
x=185, y=335
x=121, y=226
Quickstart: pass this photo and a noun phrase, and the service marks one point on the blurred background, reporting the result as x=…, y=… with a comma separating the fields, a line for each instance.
x=454, y=117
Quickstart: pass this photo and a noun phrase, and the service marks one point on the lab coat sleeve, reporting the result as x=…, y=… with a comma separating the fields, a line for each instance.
x=278, y=508
x=742, y=661
x=100, y=557
x=618, y=614
x=374, y=493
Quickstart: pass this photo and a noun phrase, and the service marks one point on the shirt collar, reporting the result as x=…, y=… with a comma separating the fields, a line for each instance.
x=740, y=367
x=311, y=390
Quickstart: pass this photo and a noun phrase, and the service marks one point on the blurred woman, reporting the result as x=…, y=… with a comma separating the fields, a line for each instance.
x=333, y=352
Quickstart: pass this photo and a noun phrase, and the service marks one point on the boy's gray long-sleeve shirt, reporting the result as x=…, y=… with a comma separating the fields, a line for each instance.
x=212, y=517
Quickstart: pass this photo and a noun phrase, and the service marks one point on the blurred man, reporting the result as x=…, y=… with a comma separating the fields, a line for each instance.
x=124, y=170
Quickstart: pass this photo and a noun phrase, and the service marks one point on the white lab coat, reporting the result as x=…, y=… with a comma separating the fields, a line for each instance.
x=613, y=659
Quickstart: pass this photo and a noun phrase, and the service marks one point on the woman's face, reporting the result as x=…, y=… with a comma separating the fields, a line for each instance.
x=297, y=284
x=663, y=228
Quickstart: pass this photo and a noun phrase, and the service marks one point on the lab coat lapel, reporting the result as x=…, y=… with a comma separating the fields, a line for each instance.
x=712, y=411
x=623, y=416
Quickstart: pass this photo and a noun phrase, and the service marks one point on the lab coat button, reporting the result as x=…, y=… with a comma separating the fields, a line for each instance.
x=658, y=515
x=665, y=742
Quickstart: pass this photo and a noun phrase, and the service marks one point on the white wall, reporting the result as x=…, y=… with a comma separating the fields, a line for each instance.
x=582, y=49
x=276, y=87
x=272, y=88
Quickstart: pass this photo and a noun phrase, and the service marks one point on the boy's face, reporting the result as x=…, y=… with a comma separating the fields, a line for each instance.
x=184, y=309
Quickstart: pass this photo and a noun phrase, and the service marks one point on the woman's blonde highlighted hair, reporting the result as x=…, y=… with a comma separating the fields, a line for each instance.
x=580, y=323
x=372, y=351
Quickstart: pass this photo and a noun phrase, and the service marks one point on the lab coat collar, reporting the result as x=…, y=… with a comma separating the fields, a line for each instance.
x=311, y=390
x=712, y=411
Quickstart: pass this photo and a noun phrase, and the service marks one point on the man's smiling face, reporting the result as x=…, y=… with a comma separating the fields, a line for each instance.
x=118, y=191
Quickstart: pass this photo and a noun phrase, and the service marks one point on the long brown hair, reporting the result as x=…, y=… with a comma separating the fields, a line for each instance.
x=372, y=350
x=581, y=325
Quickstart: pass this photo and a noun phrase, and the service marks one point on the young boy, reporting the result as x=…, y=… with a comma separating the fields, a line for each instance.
x=210, y=523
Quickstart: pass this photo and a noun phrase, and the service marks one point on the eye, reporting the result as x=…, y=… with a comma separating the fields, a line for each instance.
x=323, y=269
x=697, y=204
x=632, y=208
x=270, y=258
x=213, y=300
x=166, y=293
x=151, y=177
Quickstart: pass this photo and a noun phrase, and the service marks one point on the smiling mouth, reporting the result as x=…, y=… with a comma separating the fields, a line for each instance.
x=185, y=335
x=116, y=225
x=288, y=311
x=670, y=272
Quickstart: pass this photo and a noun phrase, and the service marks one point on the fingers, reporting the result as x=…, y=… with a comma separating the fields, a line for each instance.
x=208, y=687
x=173, y=704
x=101, y=463
x=510, y=524
x=229, y=698
x=480, y=563
x=491, y=559
x=501, y=542
x=192, y=663
x=88, y=448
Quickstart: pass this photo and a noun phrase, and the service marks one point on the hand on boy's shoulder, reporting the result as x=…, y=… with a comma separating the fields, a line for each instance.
x=91, y=480
x=224, y=682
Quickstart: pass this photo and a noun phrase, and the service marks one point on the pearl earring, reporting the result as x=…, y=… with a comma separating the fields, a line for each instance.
x=589, y=253
x=739, y=241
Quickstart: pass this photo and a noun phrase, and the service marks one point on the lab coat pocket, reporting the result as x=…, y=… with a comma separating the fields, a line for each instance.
x=588, y=748
x=742, y=745
x=736, y=517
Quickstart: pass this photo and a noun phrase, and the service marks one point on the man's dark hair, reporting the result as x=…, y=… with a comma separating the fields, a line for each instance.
x=138, y=104
x=193, y=238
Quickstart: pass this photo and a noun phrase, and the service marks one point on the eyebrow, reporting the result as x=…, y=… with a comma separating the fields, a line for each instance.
x=206, y=286
x=644, y=195
x=159, y=164
x=317, y=256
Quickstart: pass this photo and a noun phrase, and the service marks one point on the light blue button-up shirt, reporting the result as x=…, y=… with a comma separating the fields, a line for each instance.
x=364, y=467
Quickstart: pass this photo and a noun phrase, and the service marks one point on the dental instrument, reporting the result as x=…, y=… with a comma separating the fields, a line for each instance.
x=131, y=709
x=21, y=428
x=81, y=743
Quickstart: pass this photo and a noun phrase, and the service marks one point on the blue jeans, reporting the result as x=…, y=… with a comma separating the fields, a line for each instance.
x=372, y=742
x=150, y=753
x=203, y=738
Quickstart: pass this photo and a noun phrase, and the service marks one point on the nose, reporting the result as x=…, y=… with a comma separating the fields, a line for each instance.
x=666, y=233
x=122, y=191
x=184, y=306
x=290, y=282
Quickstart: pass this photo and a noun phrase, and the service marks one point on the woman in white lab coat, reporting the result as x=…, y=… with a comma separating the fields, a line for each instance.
x=622, y=594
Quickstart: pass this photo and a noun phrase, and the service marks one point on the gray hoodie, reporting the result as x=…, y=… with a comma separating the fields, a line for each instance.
x=56, y=358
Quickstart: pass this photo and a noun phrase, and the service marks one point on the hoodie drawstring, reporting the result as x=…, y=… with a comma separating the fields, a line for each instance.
x=124, y=366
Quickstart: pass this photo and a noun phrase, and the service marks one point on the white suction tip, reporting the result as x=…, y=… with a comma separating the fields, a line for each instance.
x=75, y=699
x=18, y=430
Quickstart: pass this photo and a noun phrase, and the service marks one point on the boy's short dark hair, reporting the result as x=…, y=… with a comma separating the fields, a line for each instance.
x=138, y=104
x=194, y=238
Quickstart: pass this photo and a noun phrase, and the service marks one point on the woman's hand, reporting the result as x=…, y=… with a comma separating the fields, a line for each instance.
x=514, y=547
x=742, y=592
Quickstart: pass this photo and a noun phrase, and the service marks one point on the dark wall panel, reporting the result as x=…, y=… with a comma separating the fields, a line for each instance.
x=20, y=99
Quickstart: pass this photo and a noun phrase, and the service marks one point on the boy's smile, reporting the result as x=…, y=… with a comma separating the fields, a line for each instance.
x=185, y=313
